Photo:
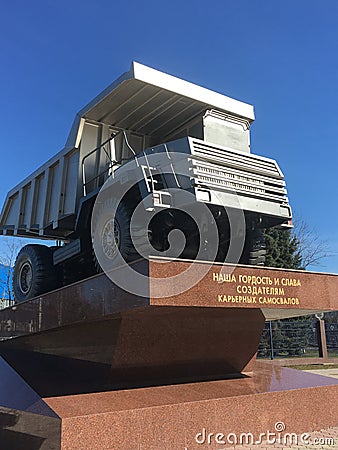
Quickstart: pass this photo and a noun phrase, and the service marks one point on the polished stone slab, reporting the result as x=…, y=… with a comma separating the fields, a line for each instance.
x=217, y=286
x=26, y=421
x=15, y=393
x=170, y=417
x=279, y=293
x=146, y=346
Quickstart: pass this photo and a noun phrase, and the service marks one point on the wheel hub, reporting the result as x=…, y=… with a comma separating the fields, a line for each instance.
x=111, y=238
x=26, y=277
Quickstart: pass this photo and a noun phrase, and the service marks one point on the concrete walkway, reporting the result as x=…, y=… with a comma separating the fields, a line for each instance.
x=326, y=372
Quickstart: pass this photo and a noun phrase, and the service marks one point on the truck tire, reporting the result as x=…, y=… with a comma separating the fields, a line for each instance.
x=111, y=235
x=34, y=273
x=254, y=250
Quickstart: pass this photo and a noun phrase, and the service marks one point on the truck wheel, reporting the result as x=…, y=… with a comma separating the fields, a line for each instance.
x=34, y=273
x=111, y=235
x=254, y=249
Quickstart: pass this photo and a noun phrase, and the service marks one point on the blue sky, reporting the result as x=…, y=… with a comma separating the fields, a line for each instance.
x=279, y=56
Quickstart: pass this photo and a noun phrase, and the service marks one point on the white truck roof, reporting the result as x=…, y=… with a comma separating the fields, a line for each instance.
x=147, y=101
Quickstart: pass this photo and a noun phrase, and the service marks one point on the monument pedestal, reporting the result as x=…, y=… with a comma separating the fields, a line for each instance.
x=100, y=368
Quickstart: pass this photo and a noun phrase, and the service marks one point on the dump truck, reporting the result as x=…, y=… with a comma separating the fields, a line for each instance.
x=143, y=113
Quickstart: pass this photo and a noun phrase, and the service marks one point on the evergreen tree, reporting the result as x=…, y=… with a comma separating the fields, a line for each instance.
x=282, y=249
x=290, y=336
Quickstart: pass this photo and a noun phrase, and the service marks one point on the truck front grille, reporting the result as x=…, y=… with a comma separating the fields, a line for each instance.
x=247, y=174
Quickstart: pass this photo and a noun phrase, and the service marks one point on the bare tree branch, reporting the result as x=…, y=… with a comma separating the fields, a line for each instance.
x=11, y=247
x=312, y=248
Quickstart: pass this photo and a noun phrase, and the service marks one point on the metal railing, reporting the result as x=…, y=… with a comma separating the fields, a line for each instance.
x=111, y=162
x=297, y=338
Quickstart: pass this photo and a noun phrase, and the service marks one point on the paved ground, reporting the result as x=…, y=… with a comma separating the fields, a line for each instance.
x=326, y=372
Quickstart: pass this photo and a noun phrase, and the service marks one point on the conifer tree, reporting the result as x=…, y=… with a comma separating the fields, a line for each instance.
x=282, y=249
x=290, y=336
